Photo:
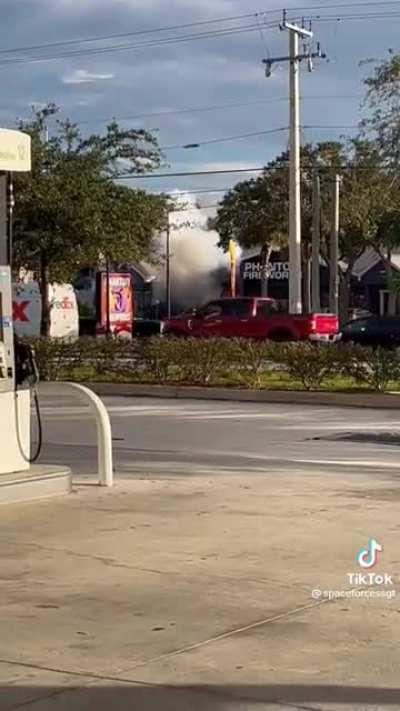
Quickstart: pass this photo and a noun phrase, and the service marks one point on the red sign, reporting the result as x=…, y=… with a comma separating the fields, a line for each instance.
x=119, y=303
x=19, y=309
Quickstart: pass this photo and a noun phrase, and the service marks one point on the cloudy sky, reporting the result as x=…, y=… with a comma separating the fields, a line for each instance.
x=196, y=74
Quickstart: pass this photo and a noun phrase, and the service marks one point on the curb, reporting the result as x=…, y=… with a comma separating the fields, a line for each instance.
x=389, y=401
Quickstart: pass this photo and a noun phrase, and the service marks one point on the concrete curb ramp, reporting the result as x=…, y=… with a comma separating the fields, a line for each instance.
x=370, y=400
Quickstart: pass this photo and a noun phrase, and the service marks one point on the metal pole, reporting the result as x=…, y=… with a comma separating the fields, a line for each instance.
x=233, y=278
x=11, y=205
x=265, y=254
x=334, y=250
x=315, y=245
x=108, y=320
x=168, y=270
x=295, y=302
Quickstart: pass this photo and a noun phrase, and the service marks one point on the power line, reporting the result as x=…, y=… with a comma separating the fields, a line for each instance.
x=175, y=112
x=199, y=23
x=327, y=6
x=179, y=193
x=367, y=16
x=218, y=107
x=195, y=207
x=189, y=173
x=253, y=134
x=102, y=38
x=210, y=34
x=144, y=45
x=225, y=139
x=256, y=169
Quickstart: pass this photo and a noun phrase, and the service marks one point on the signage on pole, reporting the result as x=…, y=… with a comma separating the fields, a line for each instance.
x=119, y=301
x=15, y=151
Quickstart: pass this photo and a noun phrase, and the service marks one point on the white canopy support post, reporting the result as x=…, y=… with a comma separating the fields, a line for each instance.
x=104, y=437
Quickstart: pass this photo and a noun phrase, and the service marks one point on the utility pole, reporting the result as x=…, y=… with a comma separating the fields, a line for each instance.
x=334, y=250
x=315, y=245
x=295, y=301
x=168, y=269
x=294, y=59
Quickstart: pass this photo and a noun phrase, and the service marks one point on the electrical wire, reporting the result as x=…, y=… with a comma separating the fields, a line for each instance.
x=217, y=107
x=225, y=139
x=226, y=171
x=102, y=38
x=179, y=193
x=17, y=61
x=242, y=136
x=182, y=174
x=210, y=34
x=370, y=16
x=199, y=23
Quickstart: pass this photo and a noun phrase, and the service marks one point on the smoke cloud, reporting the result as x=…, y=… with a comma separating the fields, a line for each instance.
x=199, y=268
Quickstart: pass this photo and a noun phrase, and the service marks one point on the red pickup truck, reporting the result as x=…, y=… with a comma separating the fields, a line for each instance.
x=250, y=318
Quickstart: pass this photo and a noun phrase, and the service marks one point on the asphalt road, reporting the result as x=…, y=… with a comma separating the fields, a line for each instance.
x=186, y=437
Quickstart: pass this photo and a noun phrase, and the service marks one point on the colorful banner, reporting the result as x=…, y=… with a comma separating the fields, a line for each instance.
x=233, y=258
x=119, y=302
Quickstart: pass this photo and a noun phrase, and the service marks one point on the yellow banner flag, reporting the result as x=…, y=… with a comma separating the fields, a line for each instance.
x=233, y=255
x=232, y=250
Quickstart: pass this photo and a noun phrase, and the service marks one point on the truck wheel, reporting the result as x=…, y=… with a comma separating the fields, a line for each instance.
x=280, y=336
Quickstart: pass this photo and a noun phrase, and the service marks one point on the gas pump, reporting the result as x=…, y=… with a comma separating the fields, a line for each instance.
x=7, y=375
x=15, y=156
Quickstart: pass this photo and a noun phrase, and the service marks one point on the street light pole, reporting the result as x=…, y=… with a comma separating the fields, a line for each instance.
x=334, y=250
x=168, y=269
x=315, y=247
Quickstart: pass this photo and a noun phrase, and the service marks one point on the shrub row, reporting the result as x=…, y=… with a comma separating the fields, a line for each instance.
x=242, y=363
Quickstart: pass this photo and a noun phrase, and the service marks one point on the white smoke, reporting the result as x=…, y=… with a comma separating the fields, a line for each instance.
x=198, y=266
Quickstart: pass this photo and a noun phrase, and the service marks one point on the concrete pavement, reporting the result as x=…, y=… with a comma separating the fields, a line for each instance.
x=196, y=593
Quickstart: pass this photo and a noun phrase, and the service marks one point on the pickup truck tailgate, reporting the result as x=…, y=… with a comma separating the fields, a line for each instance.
x=324, y=323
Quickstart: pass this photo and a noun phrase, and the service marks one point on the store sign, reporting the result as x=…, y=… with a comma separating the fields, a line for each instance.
x=15, y=151
x=274, y=270
x=120, y=303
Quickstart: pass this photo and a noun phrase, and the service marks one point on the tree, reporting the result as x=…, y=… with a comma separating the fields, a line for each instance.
x=70, y=212
x=368, y=196
x=383, y=124
x=256, y=212
x=383, y=102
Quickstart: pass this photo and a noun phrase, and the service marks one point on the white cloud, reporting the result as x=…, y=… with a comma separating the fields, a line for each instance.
x=82, y=76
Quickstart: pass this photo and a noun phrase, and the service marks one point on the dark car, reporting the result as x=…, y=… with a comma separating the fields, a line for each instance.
x=144, y=327
x=373, y=331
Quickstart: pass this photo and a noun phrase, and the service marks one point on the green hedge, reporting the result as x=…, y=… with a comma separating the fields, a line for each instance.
x=241, y=363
